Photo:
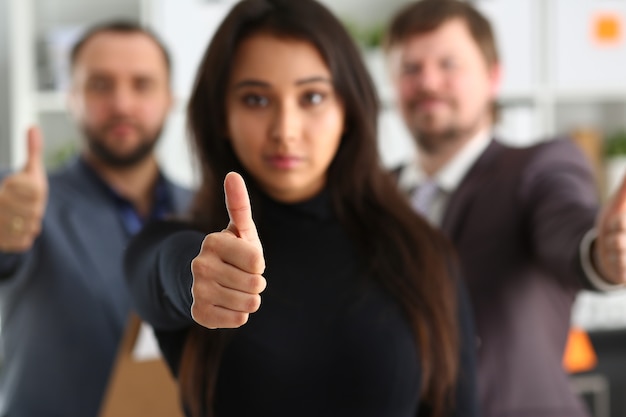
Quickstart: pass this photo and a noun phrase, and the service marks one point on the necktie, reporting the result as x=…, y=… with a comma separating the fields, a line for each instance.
x=422, y=198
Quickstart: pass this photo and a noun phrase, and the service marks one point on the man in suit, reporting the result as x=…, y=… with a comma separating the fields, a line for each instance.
x=63, y=299
x=523, y=220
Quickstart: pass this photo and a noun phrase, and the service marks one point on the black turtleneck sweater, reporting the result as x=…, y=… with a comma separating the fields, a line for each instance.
x=327, y=340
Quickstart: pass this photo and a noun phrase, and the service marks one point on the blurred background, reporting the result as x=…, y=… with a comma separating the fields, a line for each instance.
x=564, y=74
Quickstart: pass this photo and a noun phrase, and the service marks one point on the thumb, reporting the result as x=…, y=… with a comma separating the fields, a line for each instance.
x=34, y=162
x=239, y=210
x=618, y=202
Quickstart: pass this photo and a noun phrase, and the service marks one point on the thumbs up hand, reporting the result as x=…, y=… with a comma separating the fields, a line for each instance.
x=610, y=247
x=227, y=280
x=23, y=198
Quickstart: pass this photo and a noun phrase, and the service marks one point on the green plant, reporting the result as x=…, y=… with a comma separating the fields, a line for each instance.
x=61, y=154
x=368, y=37
x=615, y=144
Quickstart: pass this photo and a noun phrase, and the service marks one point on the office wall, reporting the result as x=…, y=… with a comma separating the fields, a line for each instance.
x=5, y=133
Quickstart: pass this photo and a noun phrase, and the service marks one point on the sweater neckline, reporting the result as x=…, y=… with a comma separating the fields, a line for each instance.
x=315, y=209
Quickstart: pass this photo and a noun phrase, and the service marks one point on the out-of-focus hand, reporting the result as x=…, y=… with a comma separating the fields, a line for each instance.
x=23, y=199
x=610, y=246
x=227, y=280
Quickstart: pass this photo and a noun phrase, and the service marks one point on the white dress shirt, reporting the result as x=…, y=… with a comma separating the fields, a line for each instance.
x=447, y=179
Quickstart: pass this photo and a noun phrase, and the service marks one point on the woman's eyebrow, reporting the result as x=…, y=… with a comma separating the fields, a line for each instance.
x=264, y=84
x=314, y=79
x=251, y=83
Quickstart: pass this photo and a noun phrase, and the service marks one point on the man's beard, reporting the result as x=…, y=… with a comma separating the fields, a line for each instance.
x=431, y=142
x=97, y=144
x=434, y=140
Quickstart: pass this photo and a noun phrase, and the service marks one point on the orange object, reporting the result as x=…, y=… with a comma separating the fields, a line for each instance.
x=579, y=354
x=607, y=28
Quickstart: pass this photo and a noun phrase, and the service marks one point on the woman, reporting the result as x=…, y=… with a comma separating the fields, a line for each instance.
x=359, y=317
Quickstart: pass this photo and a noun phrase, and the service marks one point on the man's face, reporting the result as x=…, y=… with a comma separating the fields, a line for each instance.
x=120, y=96
x=444, y=86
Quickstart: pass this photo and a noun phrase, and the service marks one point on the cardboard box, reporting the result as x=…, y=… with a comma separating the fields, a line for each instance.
x=140, y=388
x=590, y=143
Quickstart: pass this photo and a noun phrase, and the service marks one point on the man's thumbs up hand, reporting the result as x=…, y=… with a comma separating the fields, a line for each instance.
x=23, y=198
x=227, y=280
x=610, y=247
x=34, y=164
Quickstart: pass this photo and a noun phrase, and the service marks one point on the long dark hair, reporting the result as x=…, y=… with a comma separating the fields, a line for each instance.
x=404, y=254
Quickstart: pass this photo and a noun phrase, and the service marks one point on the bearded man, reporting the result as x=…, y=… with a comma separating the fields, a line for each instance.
x=63, y=300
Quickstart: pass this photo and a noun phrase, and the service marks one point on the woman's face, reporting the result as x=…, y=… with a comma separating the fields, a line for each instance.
x=285, y=120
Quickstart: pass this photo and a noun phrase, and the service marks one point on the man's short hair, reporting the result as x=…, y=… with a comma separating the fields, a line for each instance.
x=121, y=27
x=424, y=16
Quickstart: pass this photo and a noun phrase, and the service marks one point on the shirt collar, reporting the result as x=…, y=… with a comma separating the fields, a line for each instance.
x=161, y=207
x=451, y=174
x=449, y=177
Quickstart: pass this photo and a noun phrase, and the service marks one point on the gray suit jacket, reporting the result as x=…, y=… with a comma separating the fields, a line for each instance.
x=517, y=221
x=65, y=307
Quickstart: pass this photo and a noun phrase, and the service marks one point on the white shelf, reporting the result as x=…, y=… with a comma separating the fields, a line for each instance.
x=51, y=101
x=507, y=97
x=591, y=95
x=557, y=97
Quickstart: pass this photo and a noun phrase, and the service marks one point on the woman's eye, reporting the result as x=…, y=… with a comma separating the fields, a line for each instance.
x=254, y=100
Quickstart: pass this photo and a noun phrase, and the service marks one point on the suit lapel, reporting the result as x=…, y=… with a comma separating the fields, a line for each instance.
x=461, y=199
